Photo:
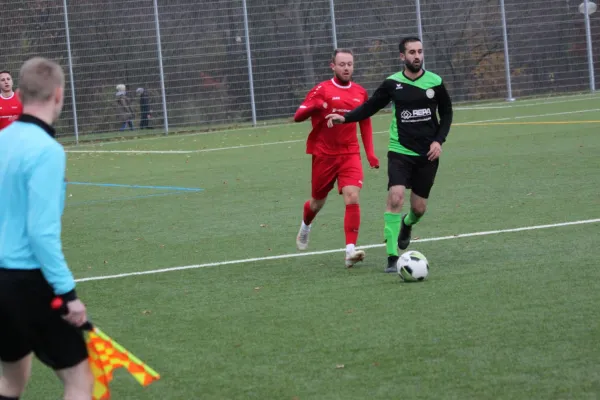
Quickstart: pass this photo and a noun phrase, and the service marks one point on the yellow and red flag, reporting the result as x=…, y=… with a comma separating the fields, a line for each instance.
x=106, y=355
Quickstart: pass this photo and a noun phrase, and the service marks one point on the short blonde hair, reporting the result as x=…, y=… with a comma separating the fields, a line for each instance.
x=38, y=80
x=121, y=88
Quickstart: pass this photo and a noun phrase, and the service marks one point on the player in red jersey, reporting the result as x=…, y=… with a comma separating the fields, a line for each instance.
x=335, y=151
x=10, y=104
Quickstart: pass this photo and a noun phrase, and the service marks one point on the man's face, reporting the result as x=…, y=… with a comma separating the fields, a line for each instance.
x=413, y=56
x=343, y=67
x=6, y=83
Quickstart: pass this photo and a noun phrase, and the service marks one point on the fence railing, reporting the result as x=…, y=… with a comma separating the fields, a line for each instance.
x=208, y=63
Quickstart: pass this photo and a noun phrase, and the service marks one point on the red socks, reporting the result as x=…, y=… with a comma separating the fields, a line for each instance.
x=351, y=220
x=352, y=223
x=309, y=214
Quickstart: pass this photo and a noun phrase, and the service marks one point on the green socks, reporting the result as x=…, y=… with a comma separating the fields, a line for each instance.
x=411, y=218
x=391, y=232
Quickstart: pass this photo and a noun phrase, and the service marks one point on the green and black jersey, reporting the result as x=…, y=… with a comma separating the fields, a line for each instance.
x=415, y=124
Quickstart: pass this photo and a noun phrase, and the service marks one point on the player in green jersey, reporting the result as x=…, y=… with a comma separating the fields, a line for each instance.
x=416, y=138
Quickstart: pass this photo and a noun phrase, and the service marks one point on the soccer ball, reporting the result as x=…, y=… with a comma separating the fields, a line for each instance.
x=413, y=266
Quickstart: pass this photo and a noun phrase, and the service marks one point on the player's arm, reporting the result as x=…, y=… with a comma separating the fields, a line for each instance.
x=380, y=99
x=315, y=100
x=366, y=134
x=445, y=111
x=45, y=193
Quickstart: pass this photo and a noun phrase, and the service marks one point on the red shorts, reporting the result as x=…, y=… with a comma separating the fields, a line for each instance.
x=346, y=169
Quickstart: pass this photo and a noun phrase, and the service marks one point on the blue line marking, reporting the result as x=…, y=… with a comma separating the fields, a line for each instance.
x=178, y=188
x=145, y=196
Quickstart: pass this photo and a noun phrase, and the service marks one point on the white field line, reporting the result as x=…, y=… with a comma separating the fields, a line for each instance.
x=314, y=253
x=522, y=105
x=490, y=106
x=532, y=116
x=244, y=146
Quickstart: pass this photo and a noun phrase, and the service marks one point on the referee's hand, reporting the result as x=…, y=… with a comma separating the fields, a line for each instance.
x=77, y=314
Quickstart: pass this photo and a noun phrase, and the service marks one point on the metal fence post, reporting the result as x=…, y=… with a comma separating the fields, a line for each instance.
x=333, y=26
x=71, y=78
x=588, y=35
x=249, y=57
x=419, y=25
x=506, y=56
x=160, y=65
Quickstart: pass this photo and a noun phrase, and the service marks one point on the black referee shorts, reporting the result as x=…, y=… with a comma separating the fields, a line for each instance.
x=413, y=172
x=28, y=324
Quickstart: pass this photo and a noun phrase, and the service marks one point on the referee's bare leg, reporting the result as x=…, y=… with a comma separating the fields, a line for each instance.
x=78, y=381
x=14, y=378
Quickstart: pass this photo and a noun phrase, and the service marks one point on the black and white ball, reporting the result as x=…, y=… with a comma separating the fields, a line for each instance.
x=413, y=266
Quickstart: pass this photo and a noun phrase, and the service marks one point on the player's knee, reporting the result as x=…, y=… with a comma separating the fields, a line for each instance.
x=395, y=201
x=419, y=209
x=316, y=205
x=351, y=198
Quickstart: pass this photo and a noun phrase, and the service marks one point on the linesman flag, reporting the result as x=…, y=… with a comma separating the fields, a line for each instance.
x=106, y=355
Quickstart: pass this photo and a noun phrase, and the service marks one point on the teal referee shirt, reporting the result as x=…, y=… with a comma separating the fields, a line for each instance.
x=32, y=195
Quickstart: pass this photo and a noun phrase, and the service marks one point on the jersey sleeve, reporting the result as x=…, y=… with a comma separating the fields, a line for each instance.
x=445, y=111
x=366, y=130
x=314, y=100
x=380, y=99
x=46, y=180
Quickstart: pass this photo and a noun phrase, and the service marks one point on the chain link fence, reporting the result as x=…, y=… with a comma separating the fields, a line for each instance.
x=206, y=64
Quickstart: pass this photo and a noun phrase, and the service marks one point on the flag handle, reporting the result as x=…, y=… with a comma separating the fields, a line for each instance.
x=59, y=305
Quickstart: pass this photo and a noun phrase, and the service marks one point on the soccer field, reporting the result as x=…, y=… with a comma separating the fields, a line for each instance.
x=506, y=313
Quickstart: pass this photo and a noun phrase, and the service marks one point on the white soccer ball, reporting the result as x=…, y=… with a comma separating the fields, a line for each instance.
x=413, y=266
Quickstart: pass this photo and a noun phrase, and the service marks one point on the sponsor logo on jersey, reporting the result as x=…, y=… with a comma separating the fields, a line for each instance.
x=417, y=115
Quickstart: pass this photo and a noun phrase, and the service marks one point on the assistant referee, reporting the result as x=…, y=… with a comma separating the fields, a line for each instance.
x=32, y=265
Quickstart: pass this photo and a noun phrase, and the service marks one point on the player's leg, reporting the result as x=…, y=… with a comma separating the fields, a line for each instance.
x=78, y=381
x=350, y=181
x=424, y=176
x=14, y=378
x=352, y=224
x=399, y=173
x=323, y=177
x=311, y=208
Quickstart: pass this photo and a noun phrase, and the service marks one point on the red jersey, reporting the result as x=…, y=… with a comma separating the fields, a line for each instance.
x=10, y=109
x=332, y=97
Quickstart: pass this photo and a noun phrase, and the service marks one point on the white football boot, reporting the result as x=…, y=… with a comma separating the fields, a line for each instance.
x=302, y=238
x=353, y=256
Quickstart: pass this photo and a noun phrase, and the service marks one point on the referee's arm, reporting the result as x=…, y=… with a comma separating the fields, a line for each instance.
x=445, y=111
x=45, y=188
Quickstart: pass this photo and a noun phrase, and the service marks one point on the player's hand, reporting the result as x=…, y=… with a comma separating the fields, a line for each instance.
x=334, y=119
x=373, y=161
x=77, y=314
x=435, y=149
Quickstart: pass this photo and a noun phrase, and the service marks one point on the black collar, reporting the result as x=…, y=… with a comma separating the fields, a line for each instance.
x=416, y=79
x=30, y=119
